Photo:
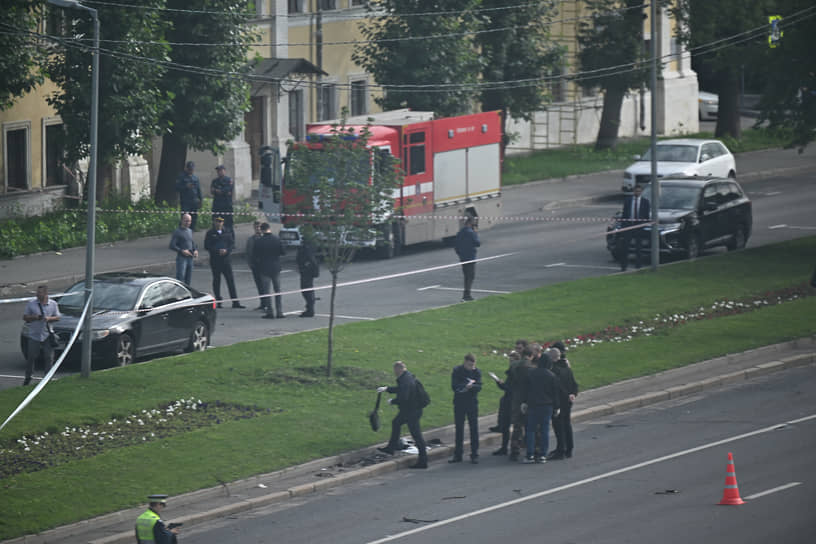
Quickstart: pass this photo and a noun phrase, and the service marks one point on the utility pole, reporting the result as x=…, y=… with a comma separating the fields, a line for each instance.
x=319, y=57
x=655, y=240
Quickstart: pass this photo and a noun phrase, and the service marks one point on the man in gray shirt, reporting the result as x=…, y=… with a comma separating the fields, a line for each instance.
x=39, y=314
x=182, y=243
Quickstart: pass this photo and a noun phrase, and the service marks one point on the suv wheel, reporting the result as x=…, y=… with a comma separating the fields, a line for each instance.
x=693, y=247
x=738, y=240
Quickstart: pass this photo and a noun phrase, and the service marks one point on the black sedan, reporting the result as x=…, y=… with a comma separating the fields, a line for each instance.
x=695, y=214
x=135, y=315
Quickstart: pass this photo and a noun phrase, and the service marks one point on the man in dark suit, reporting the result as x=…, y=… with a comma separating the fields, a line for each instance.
x=266, y=254
x=636, y=211
x=220, y=242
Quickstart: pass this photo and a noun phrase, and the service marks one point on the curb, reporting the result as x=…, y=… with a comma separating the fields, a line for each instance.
x=392, y=465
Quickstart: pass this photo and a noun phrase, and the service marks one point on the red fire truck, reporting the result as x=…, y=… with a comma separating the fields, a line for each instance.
x=452, y=170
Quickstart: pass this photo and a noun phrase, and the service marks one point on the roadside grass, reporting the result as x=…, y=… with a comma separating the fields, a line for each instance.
x=584, y=159
x=307, y=416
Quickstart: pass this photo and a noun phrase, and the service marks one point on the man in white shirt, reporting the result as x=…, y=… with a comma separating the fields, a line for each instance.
x=39, y=314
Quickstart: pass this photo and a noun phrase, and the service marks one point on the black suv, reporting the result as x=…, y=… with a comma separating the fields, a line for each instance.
x=695, y=214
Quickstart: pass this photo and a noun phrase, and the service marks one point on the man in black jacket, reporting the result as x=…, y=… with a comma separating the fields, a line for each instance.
x=266, y=254
x=409, y=413
x=541, y=402
x=220, y=242
x=309, y=269
x=568, y=390
x=466, y=382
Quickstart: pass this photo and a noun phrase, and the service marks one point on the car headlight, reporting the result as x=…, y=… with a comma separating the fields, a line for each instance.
x=670, y=227
x=96, y=334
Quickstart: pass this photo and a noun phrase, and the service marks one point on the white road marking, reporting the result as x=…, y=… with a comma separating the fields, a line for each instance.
x=565, y=265
x=589, y=480
x=773, y=227
x=428, y=287
x=472, y=290
x=348, y=317
x=774, y=490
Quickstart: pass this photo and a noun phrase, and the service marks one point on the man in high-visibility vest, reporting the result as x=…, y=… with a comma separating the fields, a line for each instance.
x=150, y=529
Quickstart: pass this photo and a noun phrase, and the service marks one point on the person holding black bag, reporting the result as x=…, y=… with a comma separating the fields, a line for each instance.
x=39, y=314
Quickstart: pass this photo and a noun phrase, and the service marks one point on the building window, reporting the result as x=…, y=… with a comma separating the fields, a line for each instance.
x=359, y=97
x=327, y=105
x=296, y=125
x=358, y=3
x=295, y=6
x=326, y=5
x=558, y=85
x=17, y=155
x=54, y=156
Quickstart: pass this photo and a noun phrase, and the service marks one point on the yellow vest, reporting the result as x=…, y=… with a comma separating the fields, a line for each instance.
x=144, y=526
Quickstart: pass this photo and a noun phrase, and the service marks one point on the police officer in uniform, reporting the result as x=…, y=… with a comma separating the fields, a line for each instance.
x=150, y=529
x=220, y=241
x=222, y=189
x=189, y=190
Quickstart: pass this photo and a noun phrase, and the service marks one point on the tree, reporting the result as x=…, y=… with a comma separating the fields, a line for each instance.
x=789, y=97
x=207, y=105
x=130, y=101
x=611, y=50
x=20, y=53
x=345, y=190
x=522, y=54
x=402, y=49
x=720, y=33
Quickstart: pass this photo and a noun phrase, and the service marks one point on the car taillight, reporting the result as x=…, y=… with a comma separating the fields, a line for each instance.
x=214, y=305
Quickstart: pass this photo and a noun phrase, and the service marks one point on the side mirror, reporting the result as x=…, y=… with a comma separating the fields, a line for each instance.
x=636, y=157
x=705, y=157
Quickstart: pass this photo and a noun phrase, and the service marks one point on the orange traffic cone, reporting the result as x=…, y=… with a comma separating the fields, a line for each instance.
x=731, y=492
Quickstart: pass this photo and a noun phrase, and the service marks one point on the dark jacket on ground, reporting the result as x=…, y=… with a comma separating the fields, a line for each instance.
x=566, y=380
x=406, y=392
x=266, y=254
x=466, y=243
x=542, y=388
x=459, y=380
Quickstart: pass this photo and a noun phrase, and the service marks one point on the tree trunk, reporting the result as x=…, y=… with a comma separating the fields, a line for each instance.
x=610, y=118
x=331, y=325
x=173, y=155
x=728, y=116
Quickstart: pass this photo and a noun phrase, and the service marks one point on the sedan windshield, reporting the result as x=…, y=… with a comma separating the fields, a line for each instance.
x=673, y=153
x=107, y=296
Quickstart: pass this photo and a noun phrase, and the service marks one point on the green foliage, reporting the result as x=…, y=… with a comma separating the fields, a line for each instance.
x=130, y=101
x=20, y=55
x=447, y=65
x=524, y=54
x=789, y=95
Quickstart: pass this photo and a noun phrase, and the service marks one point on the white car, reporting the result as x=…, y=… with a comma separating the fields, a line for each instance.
x=709, y=105
x=685, y=157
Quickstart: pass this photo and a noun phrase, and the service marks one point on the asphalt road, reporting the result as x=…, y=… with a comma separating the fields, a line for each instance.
x=654, y=474
x=538, y=248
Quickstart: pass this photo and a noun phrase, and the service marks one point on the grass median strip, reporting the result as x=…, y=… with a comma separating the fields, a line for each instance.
x=311, y=416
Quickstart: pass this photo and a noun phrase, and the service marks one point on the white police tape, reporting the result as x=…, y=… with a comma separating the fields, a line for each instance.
x=54, y=368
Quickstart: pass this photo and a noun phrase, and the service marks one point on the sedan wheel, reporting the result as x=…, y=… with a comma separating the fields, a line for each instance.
x=200, y=337
x=125, y=350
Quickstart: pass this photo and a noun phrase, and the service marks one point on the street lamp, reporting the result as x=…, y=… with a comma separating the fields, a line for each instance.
x=89, y=255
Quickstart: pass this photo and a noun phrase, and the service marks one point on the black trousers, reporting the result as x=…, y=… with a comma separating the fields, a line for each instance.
x=562, y=426
x=410, y=418
x=307, y=282
x=222, y=266
x=469, y=271
x=471, y=412
x=624, y=242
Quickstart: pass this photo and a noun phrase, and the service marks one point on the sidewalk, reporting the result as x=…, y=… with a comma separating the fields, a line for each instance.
x=322, y=474
x=20, y=276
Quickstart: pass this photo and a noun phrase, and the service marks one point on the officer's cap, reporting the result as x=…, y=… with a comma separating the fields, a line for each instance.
x=158, y=498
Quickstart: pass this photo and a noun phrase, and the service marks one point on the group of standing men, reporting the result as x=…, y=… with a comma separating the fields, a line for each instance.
x=540, y=388
x=263, y=250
